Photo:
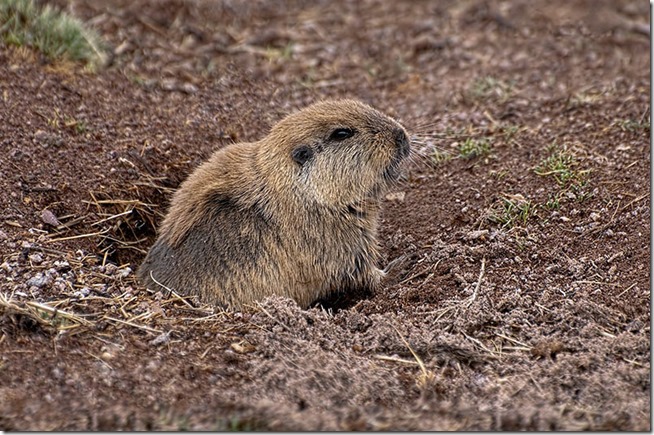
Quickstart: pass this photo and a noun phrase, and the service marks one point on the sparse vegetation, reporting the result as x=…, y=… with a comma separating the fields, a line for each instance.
x=584, y=98
x=511, y=210
x=439, y=156
x=488, y=87
x=509, y=131
x=283, y=53
x=553, y=202
x=472, y=148
x=632, y=125
x=562, y=165
x=56, y=35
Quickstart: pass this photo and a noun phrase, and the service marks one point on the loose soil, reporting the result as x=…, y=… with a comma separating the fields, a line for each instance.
x=522, y=298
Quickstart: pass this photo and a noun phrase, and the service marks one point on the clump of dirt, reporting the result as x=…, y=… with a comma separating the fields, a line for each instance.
x=520, y=297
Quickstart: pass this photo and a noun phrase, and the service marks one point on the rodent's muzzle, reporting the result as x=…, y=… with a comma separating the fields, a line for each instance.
x=402, y=141
x=403, y=147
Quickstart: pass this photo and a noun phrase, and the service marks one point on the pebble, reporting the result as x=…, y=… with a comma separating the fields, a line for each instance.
x=49, y=218
x=59, y=265
x=109, y=268
x=107, y=356
x=124, y=272
x=160, y=339
x=396, y=196
x=474, y=235
x=36, y=258
x=82, y=293
x=39, y=280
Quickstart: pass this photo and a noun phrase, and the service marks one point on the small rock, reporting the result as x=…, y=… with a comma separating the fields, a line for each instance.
x=242, y=347
x=160, y=339
x=46, y=139
x=153, y=364
x=124, y=272
x=474, y=235
x=49, y=218
x=61, y=265
x=109, y=268
x=6, y=267
x=188, y=88
x=396, y=196
x=36, y=258
x=595, y=216
x=39, y=280
x=3, y=235
x=60, y=285
x=82, y=293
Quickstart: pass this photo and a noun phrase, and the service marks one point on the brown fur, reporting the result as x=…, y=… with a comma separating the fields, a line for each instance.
x=252, y=221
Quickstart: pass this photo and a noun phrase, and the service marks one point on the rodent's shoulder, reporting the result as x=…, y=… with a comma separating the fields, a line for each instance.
x=226, y=178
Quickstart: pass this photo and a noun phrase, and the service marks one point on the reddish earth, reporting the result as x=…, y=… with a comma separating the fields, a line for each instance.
x=523, y=302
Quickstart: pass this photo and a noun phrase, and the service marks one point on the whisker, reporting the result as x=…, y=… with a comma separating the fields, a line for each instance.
x=426, y=126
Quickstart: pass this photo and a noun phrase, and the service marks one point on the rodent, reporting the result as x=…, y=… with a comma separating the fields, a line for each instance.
x=294, y=214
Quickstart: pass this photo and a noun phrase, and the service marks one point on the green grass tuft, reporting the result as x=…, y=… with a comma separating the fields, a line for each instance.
x=633, y=125
x=55, y=34
x=511, y=210
x=562, y=164
x=439, y=156
x=474, y=148
x=490, y=88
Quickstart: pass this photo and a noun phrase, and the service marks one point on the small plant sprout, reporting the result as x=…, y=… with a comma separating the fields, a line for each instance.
x=512, y=209
x=472, y=148
x=632, y=125
x=486, y=88
x=562, y=165
x=439, y=155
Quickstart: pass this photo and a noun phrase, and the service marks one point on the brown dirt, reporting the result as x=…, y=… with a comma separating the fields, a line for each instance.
x=544, y=324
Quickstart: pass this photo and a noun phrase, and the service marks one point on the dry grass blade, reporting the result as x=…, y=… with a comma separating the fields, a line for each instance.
x=79, y=236
x=481, y=276
x=258, y=305
x=513, y=340
x=210, y=318
x=172, y=292
x=44, y=314
x=129, y=211
x=426, y=377
x=134, y=325
x=481, y=345
x=397, y=360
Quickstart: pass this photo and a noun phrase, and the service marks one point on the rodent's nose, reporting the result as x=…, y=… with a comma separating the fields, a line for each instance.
x=402, y=141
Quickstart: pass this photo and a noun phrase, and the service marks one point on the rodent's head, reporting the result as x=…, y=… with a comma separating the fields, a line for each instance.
x=341, y=153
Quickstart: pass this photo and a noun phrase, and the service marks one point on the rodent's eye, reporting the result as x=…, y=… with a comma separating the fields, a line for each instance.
x=341, y=134
x=301, y=154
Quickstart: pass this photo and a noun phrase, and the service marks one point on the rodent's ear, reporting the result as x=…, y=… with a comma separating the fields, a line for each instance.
x=302, y=154
x=341, y=134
